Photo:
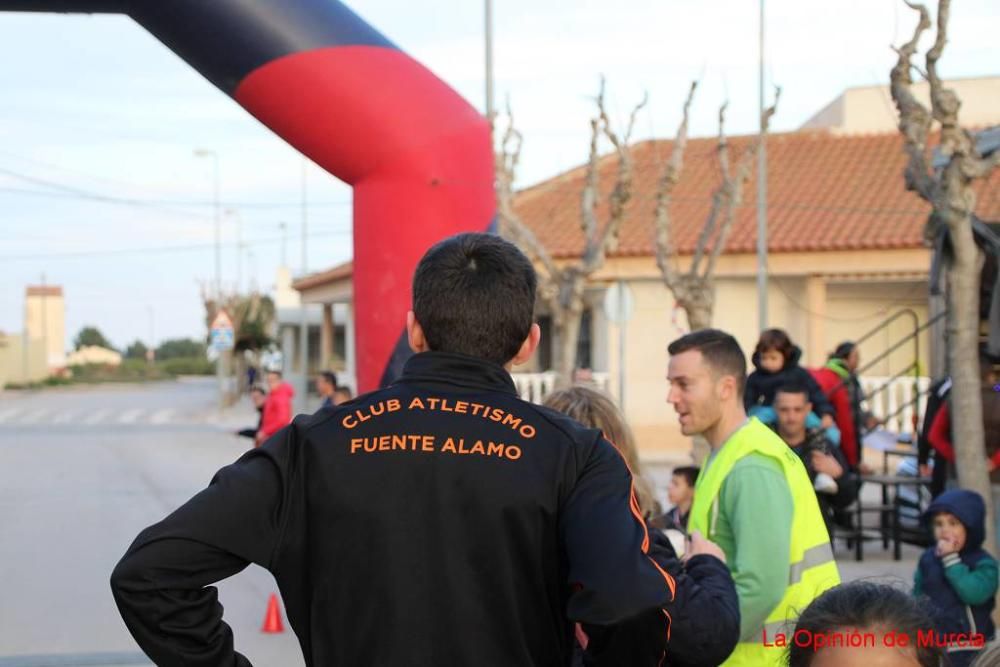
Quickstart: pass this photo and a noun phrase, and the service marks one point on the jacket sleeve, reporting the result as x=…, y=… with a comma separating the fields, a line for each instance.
x=848, y=484
x=162, y=585
x=934, y=402
x=751, y=393
x=821, y=405
x=756, y=488
x=706, y=625
x=606, y=545
x=972, y=585
x=940, y=433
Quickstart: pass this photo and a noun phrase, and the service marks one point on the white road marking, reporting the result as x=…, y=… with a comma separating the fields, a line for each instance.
x=96, y=417
x=161, y=416
x=130, y=416
x=8, y=413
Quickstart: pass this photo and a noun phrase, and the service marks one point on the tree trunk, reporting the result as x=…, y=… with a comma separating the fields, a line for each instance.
x=699, y=316
x=567, y=330
x=963, y=361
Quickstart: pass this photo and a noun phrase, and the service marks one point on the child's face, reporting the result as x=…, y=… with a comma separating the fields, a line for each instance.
x=678, y=491
x=771, y=361
x=948, y=527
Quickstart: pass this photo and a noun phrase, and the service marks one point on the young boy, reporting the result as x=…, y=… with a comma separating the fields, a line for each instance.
x=958, y=575
x=681, y=494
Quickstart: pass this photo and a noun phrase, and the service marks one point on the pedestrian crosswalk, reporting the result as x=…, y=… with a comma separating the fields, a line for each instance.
x=61, y=416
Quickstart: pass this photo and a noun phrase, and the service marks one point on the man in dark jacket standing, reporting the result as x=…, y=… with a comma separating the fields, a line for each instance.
x=439, y=521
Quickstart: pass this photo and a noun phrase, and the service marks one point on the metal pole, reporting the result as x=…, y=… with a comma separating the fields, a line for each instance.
x=220, y=375
x=239, y=252
x=152, y=334
x=621, y=344
x=303, y=315
x=490, y=110
x=45, y=326
x=762, y=195
x=284, y=243
x=218, y=228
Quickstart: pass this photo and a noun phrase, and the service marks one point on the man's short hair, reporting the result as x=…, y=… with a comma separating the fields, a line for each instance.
x=474, y=294
x=720, y=351
x=793, y=387
x=259, y=389
x=330, y=377
x=344, y=391
x=689, y=473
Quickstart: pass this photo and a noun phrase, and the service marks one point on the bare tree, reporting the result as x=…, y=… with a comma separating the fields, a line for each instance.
x=950, y=193
x=694, y=289
x=562, y=284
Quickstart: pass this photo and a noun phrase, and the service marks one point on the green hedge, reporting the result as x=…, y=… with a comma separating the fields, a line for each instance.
x=187, y=366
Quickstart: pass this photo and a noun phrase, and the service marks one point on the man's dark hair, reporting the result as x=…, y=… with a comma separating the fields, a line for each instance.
x=689, y=473
x=330, y=377
x=720, y=351
x=793, y=387
x=864, y=606
x=474, y=294
x=259, y=389
x=344, y=391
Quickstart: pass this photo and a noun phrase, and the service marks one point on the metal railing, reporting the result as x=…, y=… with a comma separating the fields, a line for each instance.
x=885, y=398
x=895, y=401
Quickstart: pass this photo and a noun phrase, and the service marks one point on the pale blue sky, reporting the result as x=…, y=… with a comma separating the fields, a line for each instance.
x=95, y=105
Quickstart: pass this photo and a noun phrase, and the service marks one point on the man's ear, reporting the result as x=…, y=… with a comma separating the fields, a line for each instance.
x=528, y=347
x=415, y=334
x=726, y=387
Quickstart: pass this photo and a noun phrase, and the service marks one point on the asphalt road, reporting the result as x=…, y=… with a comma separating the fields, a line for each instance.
x=82, y=471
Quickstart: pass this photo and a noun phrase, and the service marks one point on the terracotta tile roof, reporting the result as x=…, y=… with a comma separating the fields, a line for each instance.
x=338, y=272
x=825, y=192
x=43, y=290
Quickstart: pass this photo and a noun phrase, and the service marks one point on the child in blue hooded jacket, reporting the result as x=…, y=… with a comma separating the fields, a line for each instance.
x=958, y=575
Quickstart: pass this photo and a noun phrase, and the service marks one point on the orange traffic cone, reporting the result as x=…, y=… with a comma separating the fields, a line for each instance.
x=272, y=618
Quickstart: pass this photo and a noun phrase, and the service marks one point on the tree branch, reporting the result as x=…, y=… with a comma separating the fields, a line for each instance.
x=735, y=194
x=718, y=197
x=510, y=223
x=598, y=248
x=914, y=118
x=664, y=193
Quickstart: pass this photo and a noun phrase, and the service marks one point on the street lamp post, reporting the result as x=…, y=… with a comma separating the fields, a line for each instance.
x=303, y=313
x=220, y=375
x=762, y=194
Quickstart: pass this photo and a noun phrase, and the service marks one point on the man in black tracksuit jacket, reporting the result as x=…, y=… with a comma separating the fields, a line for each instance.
x=439, y=521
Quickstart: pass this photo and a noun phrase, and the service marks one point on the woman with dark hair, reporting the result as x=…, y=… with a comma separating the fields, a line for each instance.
x=839, y=382
x=863, y=624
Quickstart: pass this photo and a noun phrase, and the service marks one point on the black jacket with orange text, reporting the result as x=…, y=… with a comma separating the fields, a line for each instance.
x=439, y=521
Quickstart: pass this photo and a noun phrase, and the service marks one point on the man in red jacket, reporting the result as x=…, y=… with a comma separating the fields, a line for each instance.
x=277, y=407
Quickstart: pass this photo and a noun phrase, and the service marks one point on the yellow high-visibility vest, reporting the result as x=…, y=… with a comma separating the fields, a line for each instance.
x=812, y=570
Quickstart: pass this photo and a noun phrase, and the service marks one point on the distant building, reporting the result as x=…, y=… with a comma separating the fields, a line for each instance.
x=93, y=354
x=870, y=109
x=19, y=362
x=45, y=322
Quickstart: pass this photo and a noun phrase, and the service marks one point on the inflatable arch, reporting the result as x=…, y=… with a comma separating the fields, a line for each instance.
x=417, y=155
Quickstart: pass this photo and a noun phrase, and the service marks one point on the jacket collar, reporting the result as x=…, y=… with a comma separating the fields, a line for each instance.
x=458, y=370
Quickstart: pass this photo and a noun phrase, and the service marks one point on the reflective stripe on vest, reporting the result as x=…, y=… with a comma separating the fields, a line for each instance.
x=812, y=568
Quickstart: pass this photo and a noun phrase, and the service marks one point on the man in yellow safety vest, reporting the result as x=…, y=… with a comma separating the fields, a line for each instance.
x=753, y=498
